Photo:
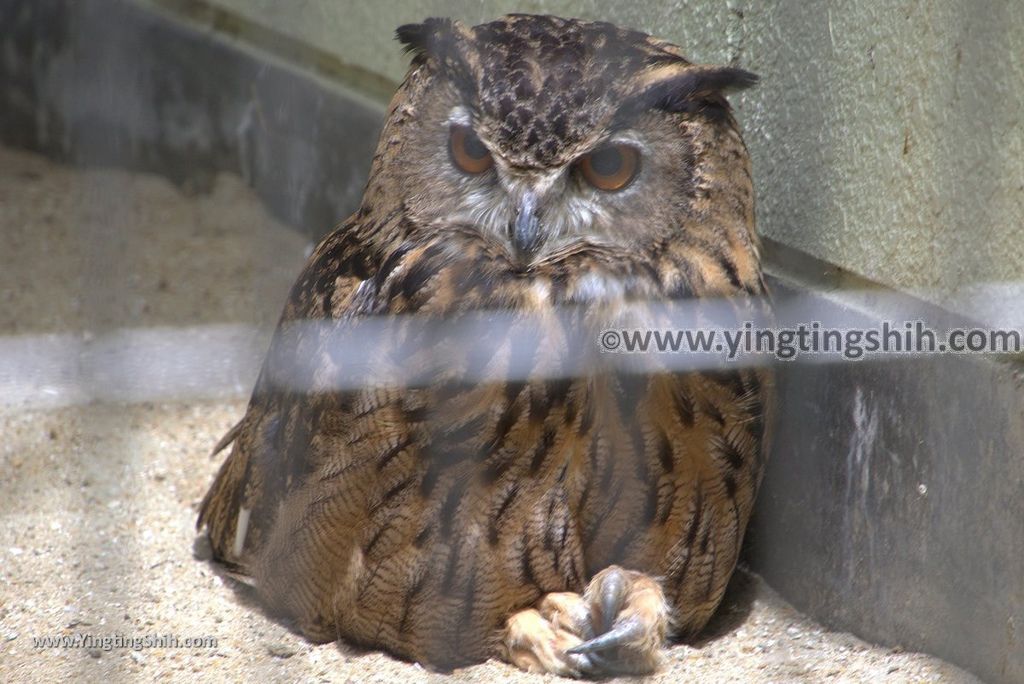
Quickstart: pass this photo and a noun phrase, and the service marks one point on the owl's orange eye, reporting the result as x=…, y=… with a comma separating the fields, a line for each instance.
x=468, y=153
x=611, y=167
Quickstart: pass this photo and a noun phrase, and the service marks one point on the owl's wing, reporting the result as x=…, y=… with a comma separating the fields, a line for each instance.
x=272, y=434
x=299, y=399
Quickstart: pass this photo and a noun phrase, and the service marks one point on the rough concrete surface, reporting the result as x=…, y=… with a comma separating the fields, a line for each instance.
x=887, y=138
x=98, y=501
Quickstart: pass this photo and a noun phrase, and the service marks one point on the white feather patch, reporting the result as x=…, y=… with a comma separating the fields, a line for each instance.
x=240, y=531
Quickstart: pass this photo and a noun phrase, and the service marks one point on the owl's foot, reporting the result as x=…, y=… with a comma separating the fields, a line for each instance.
x=617, y=627
x=539, y=639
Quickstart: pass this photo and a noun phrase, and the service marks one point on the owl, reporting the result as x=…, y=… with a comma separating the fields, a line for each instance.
x=436, y=460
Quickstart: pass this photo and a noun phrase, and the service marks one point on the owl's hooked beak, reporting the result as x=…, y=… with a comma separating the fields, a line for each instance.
x=526, y=227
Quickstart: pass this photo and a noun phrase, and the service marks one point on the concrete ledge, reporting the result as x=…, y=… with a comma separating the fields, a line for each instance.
x=893, y=505
x=894, y=501
x=105, y=82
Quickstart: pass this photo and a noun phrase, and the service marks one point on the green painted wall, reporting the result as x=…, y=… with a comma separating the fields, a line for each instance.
x=888, y=137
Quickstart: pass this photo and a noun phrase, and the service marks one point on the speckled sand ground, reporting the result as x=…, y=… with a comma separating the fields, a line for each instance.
x=98, y=501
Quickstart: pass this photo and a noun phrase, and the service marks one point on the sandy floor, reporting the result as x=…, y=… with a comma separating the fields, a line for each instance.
x=98, y=501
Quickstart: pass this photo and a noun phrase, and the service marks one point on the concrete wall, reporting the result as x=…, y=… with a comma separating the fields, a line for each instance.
x=888, y=138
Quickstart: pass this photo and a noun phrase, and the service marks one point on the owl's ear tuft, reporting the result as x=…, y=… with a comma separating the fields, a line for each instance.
x=443, y=42
x=435, y=36
x=693, y=86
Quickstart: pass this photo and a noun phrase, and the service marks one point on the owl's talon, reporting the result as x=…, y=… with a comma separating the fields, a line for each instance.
x=602, y=666
x=623, y=634
x=558, y=636
x=631, y=609
x=585, y=625
x=583, y=664
x=612, y=594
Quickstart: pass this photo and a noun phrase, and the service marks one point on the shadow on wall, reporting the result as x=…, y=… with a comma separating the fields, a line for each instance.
x=892, y=504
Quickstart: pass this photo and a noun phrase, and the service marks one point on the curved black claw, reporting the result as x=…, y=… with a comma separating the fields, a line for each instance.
x=613, y=593
x=625, y=633
x=592, y=665
x=599, y=666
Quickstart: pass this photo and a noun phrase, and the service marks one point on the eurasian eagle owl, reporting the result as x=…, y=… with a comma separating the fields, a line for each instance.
x=449, y=497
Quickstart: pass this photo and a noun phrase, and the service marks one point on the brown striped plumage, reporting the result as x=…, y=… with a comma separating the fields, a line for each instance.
x=442, y=510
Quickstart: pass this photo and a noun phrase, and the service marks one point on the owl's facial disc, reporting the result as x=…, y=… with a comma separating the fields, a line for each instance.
x=536, y=210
